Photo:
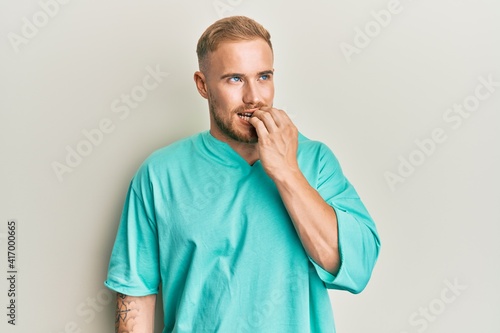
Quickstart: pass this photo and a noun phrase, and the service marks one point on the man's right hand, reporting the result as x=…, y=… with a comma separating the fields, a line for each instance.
x=135, y=314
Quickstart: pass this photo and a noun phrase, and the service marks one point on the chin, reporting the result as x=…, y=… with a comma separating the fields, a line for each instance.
x=252, y=140
x=248, y=138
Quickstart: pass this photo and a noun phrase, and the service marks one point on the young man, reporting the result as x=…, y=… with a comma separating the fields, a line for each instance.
x=246, y=225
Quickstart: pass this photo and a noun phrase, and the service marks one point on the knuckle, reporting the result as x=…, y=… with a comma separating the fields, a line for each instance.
x=267, y=116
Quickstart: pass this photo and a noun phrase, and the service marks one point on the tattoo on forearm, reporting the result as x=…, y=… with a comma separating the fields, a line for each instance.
x=122, y=310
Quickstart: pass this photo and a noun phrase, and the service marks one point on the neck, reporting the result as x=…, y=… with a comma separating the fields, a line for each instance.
x=248, y=151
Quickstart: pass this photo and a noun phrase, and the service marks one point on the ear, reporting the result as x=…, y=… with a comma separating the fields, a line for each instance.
x=201, y=85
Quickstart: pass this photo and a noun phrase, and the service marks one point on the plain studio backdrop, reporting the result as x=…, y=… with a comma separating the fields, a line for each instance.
x=406, y=94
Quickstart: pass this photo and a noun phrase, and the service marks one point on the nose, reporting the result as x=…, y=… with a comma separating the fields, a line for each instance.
x=251, y=94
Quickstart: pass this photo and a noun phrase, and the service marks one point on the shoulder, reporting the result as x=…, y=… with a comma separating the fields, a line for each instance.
x=173, y=152
x=321, y=167
x=315, y=151
x=167, y=158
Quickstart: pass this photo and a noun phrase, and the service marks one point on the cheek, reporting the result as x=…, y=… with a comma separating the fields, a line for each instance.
x=268, y=94
x=228, y=98
x=232, y=98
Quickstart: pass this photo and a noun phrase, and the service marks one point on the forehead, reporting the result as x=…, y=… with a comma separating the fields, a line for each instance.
x=241, y=56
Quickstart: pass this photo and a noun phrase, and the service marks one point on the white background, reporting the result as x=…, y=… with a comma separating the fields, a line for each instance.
x=439, y=224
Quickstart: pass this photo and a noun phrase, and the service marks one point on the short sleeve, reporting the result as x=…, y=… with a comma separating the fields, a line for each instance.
x=358, y=239
x=134, y=267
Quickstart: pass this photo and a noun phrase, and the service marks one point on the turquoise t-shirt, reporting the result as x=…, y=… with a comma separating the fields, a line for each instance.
x=214, y=232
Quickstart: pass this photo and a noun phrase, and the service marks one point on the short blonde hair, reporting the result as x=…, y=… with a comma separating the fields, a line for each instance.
x=233, y=28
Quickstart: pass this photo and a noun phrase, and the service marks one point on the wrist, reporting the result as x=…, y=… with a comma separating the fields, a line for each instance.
x=288, y=176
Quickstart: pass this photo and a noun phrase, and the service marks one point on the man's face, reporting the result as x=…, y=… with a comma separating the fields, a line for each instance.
x=239, y=80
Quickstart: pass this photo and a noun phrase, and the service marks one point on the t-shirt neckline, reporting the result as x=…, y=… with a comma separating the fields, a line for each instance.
x=223, y=153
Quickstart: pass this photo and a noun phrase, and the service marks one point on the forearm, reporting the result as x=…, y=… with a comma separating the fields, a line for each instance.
x=315, y=221
x=134, y=314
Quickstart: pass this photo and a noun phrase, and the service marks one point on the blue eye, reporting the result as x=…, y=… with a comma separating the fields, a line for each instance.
x=235, y=79
x=265, y=77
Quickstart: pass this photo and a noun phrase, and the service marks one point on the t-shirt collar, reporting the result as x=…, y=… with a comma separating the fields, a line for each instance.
x=222, y=152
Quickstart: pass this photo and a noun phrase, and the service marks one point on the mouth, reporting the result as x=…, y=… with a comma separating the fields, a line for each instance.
x=246, y=115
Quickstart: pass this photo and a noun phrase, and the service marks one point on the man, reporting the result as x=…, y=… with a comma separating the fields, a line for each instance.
x=244, y=226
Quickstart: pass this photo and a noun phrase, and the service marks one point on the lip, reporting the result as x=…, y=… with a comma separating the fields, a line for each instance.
x=246, y=122
x=248, y=111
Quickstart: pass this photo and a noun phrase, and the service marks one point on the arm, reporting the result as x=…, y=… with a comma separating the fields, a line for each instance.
x=133, y=266
x=314, y=220
x=134, y=314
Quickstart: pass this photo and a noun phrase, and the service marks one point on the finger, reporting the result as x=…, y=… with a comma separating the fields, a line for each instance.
x=280, y=117
x=260, y=127
x=266, y=108
x=267, y=118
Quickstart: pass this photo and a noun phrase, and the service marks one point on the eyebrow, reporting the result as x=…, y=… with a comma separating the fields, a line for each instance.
x=266, y=72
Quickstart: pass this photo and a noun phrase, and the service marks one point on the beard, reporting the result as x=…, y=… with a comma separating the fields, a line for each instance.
x=226, y=124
